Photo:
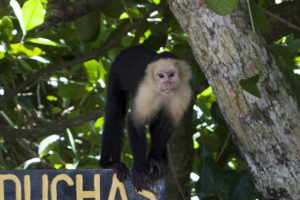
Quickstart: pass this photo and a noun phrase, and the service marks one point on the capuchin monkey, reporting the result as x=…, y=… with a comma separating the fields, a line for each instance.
x=148, y=89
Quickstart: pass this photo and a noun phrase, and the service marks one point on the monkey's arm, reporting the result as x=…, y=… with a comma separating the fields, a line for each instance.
x=113, y=130
x=138, y=147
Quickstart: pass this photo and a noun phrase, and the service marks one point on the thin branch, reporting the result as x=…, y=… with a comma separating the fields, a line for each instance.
x=251, y=17
x=285, y=22
x=224, y=146
x=56, y=127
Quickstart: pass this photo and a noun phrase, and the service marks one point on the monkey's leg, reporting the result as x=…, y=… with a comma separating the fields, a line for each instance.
x=161, y=129
x=113, y=131
x=138, y=147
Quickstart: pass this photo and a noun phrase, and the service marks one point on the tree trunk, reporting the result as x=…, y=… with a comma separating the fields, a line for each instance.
x=267, y=129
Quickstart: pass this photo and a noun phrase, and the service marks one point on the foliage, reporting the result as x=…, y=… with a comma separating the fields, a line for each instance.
x=250, y=85
x=222, y=7
x=65, y=67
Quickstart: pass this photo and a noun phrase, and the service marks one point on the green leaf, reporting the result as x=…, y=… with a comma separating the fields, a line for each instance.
x=124, y=15
x=156, y=2
x=51, y=98
x=48, y=144
x=205, y=100
x=259, y=18
x=56, y=160
x=222, y=7
x=72, y=91
x=33, y=14
x=250, y=85
x=287, y=50
x=92, y=102
x=99, y=123
x=6, y=27
x=23, y=65
x=72, y=142
x=18, y=12
x=92, y=70
x=2, y=52
x=44, y=41
x=20, y=48
x=87, y=26
x=2, y=55
x=127, y=41
x=56, y=110
x=29, y=164
x=293, y=44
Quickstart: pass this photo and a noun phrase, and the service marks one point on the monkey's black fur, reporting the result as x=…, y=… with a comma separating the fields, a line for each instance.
x=126, y=73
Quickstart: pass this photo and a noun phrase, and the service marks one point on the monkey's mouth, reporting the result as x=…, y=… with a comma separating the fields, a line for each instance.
x=168, y=90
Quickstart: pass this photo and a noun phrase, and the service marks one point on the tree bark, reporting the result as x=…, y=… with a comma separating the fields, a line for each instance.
x=266, y=129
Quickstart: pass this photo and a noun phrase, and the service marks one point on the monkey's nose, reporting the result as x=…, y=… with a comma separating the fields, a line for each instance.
x=167, y=83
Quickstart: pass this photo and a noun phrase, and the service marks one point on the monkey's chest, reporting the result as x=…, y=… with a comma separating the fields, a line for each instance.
x=145, y=110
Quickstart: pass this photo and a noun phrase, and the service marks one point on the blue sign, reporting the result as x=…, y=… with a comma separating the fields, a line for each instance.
x=91, y=184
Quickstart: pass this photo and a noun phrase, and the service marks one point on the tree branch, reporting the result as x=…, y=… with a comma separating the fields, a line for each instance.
x=7, y=131
x=283, y=21
x=289, y=11
x=61, y=11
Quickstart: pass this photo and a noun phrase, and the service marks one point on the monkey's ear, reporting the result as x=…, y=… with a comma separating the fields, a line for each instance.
x=185, y=70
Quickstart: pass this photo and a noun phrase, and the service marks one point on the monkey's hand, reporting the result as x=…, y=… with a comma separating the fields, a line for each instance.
x=157, y=169
x=140, y=179
x=121, y=170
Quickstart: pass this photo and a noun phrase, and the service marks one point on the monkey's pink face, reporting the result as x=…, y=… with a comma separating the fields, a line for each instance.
x=167, y=80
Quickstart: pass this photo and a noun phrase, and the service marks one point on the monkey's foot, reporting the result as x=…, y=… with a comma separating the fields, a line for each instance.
x=157, y=169
x=121, y=170
x=140, y=179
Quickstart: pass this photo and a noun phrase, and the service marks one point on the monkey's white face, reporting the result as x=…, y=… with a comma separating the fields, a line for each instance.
x=165, y=86
x=167, y=80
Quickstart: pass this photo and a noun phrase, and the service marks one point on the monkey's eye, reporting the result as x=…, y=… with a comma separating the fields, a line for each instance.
x=172, y=74
x=160, y=75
